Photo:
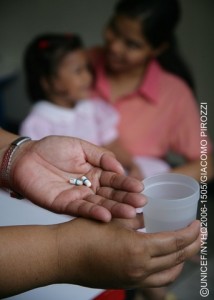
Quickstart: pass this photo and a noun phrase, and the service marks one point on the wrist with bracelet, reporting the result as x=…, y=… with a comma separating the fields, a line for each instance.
x=6, y=164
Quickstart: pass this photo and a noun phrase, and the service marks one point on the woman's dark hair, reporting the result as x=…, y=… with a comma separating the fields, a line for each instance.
x=159, y=19
x=42, y=58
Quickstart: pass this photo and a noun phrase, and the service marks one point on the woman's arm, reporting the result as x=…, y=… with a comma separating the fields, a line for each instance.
x=28, y=258
x=93, y=254
x=195, y=169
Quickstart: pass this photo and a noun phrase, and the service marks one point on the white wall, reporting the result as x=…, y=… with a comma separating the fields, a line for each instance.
x=21, y=20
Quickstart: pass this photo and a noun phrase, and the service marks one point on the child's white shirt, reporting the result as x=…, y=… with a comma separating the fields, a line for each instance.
x=92, y=120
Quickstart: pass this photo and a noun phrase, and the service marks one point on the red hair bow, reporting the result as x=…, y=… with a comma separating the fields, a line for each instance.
x=43, y=44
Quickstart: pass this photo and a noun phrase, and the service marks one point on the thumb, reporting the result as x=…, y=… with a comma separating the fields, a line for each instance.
x=101, y=157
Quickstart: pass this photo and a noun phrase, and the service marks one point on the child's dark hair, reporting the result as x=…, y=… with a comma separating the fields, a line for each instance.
x=42, y=58
x=159, y=19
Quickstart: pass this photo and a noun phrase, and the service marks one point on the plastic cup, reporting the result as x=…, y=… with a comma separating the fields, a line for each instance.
x=172, y=202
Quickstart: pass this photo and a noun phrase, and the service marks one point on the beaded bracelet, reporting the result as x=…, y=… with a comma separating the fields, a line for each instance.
x=6, y=166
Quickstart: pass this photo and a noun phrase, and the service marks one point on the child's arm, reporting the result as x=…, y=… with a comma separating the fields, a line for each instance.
x=125, y=158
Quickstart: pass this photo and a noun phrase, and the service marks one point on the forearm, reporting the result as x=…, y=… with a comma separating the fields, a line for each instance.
x=91, y=254
x=28, y=258
x=6, y=138
x=194, y=168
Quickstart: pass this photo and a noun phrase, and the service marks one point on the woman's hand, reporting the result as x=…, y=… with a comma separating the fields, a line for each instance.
x=112, y=255
x=41, y=170
x=93, y=254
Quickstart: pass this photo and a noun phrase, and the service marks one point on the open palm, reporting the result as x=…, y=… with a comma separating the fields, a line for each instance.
x=41, y=172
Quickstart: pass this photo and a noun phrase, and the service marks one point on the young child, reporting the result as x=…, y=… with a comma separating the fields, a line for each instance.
x=59, y=84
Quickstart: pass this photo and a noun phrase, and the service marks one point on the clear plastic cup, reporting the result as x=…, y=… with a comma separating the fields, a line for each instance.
x=172, y=201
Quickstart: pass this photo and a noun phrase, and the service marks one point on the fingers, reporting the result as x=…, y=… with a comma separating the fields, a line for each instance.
x=163, y=278
x=169, y=242
x=89, y=210
x=109, y=163
x=101, y=157
x=121, y=182
x=175, y=258
x=164, y=254
x=170, y=249
x=121, y=204
x=116, y=209
x=107, y=203
x=80, y=201
x=133, y=199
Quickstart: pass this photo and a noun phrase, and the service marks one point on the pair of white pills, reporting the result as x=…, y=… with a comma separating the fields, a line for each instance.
x=83, y=180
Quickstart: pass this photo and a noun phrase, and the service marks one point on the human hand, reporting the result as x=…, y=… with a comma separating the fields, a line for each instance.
x=41, y=170
x=116, y=256
x=93, y=254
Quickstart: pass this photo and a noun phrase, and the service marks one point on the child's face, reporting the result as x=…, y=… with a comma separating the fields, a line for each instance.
x=74, y=78
x=126, y=47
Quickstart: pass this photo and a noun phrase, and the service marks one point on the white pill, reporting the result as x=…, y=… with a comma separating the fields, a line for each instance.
x=76, y=181
x=86, y=181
